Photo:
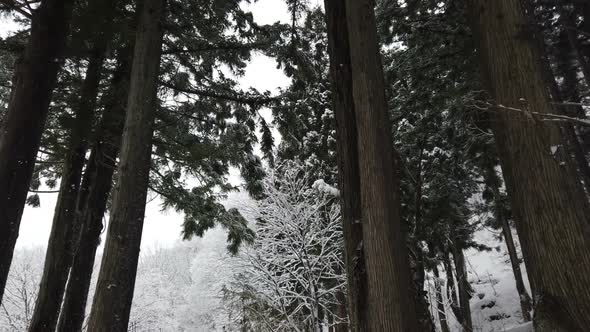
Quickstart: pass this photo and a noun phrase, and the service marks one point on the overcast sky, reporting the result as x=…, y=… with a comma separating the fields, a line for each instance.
x=163, y=228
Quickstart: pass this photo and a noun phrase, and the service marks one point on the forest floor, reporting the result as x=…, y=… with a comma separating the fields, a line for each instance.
x=495, y=305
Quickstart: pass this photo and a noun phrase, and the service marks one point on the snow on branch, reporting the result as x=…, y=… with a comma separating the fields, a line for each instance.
x=292, y=276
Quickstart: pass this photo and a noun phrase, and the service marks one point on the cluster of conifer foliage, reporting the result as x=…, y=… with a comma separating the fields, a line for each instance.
x=411, y=108
x=114, y=99
x=485, y=99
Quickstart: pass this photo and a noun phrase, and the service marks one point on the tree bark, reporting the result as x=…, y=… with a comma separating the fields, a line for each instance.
x=348, y=168
x=60, y=246
x=451, y=285
x=389, y=306
x=423, y=316
x=465, y=291
x=442, y=315
x=416, y=258
x=116, y=281
x=550, y=207
x=452, y=288
x=93, y=197
x=525, y=299
x=35, y=77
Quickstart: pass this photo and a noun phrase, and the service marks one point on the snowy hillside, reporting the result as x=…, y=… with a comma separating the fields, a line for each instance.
x=495, y=304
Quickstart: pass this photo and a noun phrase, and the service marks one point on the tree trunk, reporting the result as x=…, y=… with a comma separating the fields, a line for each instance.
x=451, y=285
x=60, y=245
x=416, y=258
x=423, y=316
x=93, y=197
x=493, y=180
x=389, y=306
x=340, y=312
x=348, y=168
x=116, y=281
x=465, y=290
x=525, y=299
x=452, y=289
x=35, y=77
x=550, y=207
x=442, y=316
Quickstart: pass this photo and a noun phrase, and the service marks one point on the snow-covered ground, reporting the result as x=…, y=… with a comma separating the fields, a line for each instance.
x=495, y=305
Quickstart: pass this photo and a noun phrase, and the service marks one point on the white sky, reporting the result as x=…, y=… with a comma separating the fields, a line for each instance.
x=163, y=228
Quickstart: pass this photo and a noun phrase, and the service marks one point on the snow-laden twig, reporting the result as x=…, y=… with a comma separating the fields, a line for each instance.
x=294, y=270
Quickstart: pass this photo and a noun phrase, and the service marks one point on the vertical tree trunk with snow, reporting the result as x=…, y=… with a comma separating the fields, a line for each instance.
x=93, y=197
x=423, y=315
x=465, y=291
x=114, y=290
x=523, y=295
x=35, y=76
x=550, y=207
x=60, y=246
x=451, y=285
x=389, y=306
x=440, y=305
x=348, y=167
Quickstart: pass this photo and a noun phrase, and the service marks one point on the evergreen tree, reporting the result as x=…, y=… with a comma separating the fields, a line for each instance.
x=23, y=124
x=93, y=195
x=540, y=176
x=116, y=281
x=383, y=236
x=61, y=240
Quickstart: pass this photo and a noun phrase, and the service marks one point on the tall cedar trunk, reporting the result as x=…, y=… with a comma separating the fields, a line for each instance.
x=60, y=245
x=440, y=305
x=451, y=285
x=116, y=281
x=34, y=80
x=341, y=313
x=389, y=304
x=550, y=207
x=493, y=180
x=425, y=322
x=525, y=299
x=452, y=289
x=465, y=290
x=423, y=316
x=93, y=197
x=348, y=168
